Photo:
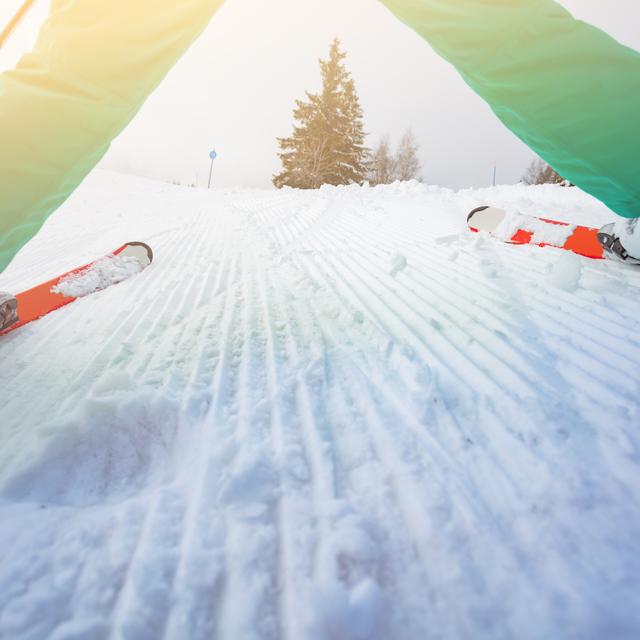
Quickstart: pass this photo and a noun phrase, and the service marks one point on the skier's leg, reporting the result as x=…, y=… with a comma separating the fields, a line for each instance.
x=93, y=65
x=568, y=90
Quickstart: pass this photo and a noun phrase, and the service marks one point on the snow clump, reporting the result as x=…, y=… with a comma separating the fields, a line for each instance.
x=100, y=275
x=398, y=264
x=565, y=273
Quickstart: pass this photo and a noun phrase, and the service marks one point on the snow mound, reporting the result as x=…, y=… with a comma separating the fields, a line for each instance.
x=116, y=442
x=100, y=275
x=347, y=600
x=565, y=273
x=250, y=485
x=398, y=264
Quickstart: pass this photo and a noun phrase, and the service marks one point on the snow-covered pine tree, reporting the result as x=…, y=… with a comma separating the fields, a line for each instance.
x=406, y=160
x=327, y=145
x=383, y=164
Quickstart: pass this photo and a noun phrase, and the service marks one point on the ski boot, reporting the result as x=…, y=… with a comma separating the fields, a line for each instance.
x=620, y=240
x=8, y=310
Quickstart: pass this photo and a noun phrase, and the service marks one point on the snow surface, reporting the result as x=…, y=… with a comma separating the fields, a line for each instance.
x=321, y=415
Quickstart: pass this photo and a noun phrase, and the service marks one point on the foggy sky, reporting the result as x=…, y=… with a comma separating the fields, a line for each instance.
x=235, y=88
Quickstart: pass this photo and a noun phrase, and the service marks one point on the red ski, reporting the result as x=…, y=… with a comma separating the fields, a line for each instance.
x=115, y=267
x=523, y=229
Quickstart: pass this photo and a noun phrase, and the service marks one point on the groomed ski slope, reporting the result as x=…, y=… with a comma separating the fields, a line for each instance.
x=321, y=415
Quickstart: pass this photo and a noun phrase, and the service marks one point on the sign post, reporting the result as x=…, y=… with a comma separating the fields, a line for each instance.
x=213, y=155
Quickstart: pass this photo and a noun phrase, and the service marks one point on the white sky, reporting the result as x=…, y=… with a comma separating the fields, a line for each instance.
x=234, y=91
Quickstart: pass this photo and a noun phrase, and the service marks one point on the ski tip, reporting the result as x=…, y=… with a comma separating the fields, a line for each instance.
x=139, y=250
x=486, y=219
x=473, y=213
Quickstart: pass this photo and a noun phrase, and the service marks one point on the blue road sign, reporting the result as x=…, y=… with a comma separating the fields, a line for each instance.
x=213, y=155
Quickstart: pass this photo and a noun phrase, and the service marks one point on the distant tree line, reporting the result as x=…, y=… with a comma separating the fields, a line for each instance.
x=327, y=145
x=385, y=167
x=539, y=172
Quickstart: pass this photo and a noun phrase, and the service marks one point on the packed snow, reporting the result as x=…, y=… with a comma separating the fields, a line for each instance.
x=565, y=272
x=333, y=414
x=103, y=273
x=543, y=232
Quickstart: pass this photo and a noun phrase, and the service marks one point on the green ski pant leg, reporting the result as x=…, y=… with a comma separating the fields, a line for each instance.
x=568, y=90
x=94, y=64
